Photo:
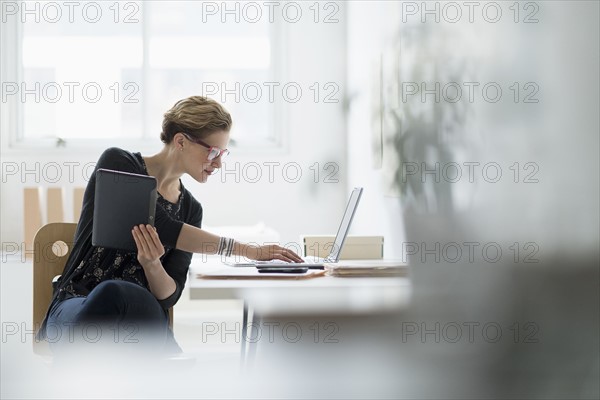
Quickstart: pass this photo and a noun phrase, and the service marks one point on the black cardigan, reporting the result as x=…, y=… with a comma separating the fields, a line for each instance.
x=176, y=262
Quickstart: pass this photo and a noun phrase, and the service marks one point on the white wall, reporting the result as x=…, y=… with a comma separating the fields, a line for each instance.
x=559, y=133
x=369, y=25
x=315, y=132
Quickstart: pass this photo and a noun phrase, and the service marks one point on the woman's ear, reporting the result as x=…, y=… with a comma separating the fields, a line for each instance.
x=179, y=140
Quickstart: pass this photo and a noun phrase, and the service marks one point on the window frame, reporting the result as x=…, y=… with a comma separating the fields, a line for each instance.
x=12, y=138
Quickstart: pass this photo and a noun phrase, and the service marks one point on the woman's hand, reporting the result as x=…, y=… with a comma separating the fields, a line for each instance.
x=150, y=249
x=272, y=252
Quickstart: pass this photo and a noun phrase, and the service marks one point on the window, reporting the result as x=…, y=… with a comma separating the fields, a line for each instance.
x=91, y=72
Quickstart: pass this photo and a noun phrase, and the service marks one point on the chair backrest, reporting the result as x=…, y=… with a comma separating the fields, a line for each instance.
x=36, y=198
x=52, y=245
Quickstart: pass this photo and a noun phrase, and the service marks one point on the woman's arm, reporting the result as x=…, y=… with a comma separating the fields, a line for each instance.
x=150, y=249
x=160, y=283
x=186, y=237
x=194, y=240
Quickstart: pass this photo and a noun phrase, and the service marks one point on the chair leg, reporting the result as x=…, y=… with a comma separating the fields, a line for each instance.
x=253, y=345
x=32, y=207
x=244, y=333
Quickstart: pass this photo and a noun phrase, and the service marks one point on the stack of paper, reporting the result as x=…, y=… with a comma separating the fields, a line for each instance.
x=252, y=273
x=367, y=268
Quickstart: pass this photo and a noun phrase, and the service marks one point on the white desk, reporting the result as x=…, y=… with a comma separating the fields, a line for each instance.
x=324, y=300
x=314, y=296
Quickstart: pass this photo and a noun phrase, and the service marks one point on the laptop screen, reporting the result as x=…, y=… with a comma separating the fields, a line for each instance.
x=345, y=225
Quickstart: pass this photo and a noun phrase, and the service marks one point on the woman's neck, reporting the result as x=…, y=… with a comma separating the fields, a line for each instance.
x=164, y=166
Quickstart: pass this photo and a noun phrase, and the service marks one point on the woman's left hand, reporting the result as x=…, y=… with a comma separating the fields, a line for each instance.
x=150, y=249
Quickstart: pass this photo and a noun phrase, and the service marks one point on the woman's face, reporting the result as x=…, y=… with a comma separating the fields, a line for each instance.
x=195, y=156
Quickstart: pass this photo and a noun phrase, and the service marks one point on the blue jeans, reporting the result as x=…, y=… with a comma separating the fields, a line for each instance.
x=116, y=313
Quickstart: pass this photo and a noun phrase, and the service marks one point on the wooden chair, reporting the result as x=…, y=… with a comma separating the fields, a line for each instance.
x=52, y=245
x=37, y=198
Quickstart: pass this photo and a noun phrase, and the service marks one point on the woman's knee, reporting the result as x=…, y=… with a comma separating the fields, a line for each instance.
x=120, y=293
x=116, y=289
x=124, y=299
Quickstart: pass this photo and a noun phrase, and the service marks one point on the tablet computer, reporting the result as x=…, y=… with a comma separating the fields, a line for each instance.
x=122, y=200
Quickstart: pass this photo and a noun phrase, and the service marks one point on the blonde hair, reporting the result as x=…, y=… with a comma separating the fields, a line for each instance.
x=197, y=116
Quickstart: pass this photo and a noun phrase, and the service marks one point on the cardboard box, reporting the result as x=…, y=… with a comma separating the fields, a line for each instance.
x=355, y=247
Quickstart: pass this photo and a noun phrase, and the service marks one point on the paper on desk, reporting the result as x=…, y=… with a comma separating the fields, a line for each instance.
x=367, y=268
x=252, y=273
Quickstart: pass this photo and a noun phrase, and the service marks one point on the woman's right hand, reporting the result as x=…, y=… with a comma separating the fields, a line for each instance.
x=271, y=252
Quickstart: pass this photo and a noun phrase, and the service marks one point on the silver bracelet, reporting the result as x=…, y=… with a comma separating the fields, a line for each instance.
x=221, y=245
x=225, y=246
x=230, y=243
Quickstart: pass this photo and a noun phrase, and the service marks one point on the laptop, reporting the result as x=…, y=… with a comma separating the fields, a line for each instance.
x=121, y=201
x=334, y=256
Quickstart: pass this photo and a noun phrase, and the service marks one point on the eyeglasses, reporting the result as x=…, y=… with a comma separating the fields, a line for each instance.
x=213, y=152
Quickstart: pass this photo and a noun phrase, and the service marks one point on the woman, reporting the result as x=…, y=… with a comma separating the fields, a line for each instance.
x=126, y=295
